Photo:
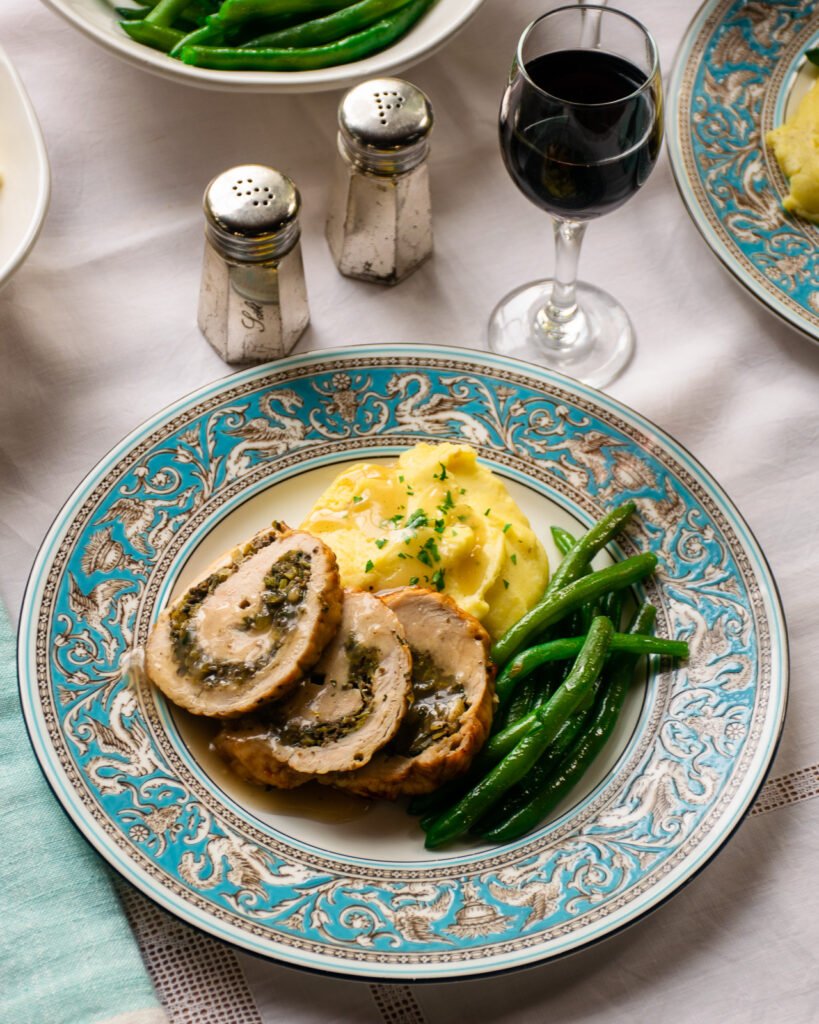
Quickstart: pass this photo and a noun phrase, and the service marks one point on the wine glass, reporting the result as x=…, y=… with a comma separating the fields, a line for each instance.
x=581, y=127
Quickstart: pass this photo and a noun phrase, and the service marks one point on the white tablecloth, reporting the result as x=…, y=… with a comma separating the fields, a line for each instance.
x=98, y=331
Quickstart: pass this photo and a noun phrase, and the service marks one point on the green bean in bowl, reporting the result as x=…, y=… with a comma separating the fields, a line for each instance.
x=271, y=35
x=288, y=46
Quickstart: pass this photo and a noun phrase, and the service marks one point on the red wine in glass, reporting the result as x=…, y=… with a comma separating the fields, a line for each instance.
x=586, y=138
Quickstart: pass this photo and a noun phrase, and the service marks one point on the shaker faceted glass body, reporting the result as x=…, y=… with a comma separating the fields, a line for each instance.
x=379, y=226
x=253, y=312
x=253, y=298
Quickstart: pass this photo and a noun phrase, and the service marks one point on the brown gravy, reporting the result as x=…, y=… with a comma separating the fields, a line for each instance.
x=313, y=801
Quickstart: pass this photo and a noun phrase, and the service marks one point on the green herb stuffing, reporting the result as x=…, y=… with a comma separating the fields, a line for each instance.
x=439, y=703
x=285, y=587
x=363, y=663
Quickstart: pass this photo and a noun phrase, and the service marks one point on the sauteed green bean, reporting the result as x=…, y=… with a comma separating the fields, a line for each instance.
x=525, y=755
x=546, y=742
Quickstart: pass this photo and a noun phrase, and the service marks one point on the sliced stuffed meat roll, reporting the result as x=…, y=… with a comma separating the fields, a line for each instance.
x=249, y=629
x=453, y=683
x=346, y=709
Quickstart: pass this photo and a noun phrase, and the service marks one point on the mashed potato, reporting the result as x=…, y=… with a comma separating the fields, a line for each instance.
x=796, y=147
x=437, y=519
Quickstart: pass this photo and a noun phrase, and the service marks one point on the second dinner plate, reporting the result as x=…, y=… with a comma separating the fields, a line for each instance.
x=740, y=71
x=323, y=881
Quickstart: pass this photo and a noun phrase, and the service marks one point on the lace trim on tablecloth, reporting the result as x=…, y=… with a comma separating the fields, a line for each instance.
x=792, y=788
x=397, y=1004
x=197, y=978
x=183, y=964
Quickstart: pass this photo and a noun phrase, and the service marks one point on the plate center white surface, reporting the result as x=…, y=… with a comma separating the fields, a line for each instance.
x=801, y=82
x=318, y=816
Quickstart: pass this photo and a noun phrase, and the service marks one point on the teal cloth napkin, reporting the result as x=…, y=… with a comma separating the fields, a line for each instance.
x=67, y=954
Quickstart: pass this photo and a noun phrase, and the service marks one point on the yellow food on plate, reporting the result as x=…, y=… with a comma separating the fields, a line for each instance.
x=439, y=519
x=796, y=146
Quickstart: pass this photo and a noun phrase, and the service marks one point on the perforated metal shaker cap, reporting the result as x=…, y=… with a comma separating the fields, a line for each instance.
x=384, y=124
x=252, y=213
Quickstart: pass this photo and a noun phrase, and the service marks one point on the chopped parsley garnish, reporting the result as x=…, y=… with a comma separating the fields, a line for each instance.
x=395, y=520
x=513, y=558
x=447, y=503
x=413, y=580
x=383, y=540
x=439, y=525
x=429, y=553
x=442, y=474
x=402, y=554
x=369, y=566
x=438, y=579
x=416, y=520
x=357, y=498
x=486, y=513
x=506, y=526
x=506, y=584
x=462, y=490
x=401, y=479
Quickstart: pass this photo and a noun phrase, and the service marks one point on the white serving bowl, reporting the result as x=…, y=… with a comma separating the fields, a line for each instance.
x=26, y=181
x=98, y=21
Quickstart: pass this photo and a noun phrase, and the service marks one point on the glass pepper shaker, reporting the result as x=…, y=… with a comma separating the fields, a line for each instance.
x=380, y=223
x=253, y=299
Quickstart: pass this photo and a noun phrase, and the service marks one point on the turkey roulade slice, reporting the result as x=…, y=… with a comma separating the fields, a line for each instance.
x=248, y=630
x=350, y=705
x=453, y=694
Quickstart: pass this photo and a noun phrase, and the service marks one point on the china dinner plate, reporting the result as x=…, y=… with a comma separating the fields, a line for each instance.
x=327, y=882
x=739, y=72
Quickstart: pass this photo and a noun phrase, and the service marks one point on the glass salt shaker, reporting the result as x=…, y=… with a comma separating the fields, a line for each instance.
x=380, y=223
x=253, y=299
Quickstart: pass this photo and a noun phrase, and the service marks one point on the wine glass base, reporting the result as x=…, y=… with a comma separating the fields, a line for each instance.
x=593, y=347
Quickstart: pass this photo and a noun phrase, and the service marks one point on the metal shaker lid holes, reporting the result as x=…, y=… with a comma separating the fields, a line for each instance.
x=385, y=114
x=252, y=212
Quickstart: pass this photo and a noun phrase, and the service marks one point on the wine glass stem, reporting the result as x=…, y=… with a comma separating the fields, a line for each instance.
x=561, y=309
